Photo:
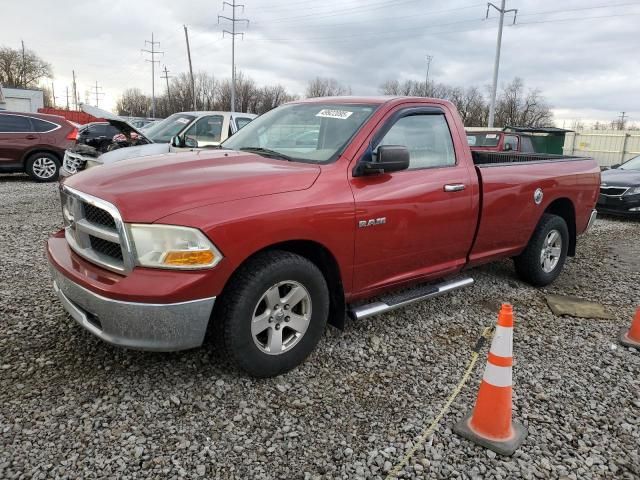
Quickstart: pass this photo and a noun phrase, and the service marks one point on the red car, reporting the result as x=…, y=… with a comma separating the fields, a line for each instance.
x=266, y=240
x=500, y=141
x=34, y=143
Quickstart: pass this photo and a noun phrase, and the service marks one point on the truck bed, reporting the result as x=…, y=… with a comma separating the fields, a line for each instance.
x=482, y=159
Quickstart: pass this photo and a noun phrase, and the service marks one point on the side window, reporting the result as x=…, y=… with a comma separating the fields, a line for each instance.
x=207, y=129
x=242, y=121
x=510, y=143
x=14, y=124
x=427, y=137
x=527, y=145
x=111, y=131
x=41, y=126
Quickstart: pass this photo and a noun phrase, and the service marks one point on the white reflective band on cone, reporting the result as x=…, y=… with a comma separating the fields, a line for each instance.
x=502, y=344
x=497, y=376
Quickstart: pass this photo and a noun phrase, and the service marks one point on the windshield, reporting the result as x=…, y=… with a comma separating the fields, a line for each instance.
x=483, y=139
x=633, y=164
x=310, y=132
x=163, y=131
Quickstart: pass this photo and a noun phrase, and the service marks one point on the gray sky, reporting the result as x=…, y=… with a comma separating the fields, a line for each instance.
x=582, y=54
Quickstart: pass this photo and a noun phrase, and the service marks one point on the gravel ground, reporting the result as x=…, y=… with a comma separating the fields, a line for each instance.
x=72, y=406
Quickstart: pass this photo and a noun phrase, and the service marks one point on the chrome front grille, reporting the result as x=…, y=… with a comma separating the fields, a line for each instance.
x=95, y=230
x=73, y=162
x=613, y=191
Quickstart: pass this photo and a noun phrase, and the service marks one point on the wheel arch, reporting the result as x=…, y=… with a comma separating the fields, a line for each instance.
x=564, y=208
x=326, y=262
x=37, y=150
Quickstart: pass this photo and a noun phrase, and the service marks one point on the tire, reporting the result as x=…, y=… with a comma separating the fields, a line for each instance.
x=541, y=262
x=43, y=167
x=247, y=306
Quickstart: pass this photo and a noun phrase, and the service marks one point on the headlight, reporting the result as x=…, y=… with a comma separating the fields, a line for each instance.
x=92, y=163
x=633, y=191
x=170, y=246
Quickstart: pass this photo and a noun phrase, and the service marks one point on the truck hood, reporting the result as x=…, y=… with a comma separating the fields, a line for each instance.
x=149, y=188
x=114, y=120
x=133, y=152
x=621, y=178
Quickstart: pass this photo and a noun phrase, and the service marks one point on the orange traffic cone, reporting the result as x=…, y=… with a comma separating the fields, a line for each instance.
x=632, y=337
x=490, y=423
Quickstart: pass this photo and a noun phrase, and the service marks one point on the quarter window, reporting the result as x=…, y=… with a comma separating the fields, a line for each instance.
x=511, y=143
x=14, y=124
x=42, y=126
x=428, y=139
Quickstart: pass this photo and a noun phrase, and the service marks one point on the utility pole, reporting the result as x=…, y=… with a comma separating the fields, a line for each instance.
x=53, y=95
x=153, y=61
x=426, y=83
x=67, y=97
x=166, y=77
x=233, y=34
x=75, y=90
x=193, y=84
x=621, y=122
x=97, y=93
x=24, y=68
x=496, y=65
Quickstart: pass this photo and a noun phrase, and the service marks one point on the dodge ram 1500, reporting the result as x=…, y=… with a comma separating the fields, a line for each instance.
x=317, y=209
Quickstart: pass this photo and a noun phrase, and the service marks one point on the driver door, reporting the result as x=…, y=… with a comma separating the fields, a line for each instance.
x=205, y=132
x=418, y=223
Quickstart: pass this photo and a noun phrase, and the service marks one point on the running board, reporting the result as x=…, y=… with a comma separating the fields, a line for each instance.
x=407, y=297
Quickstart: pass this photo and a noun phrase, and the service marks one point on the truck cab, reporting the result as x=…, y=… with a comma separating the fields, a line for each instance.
x=499, y=141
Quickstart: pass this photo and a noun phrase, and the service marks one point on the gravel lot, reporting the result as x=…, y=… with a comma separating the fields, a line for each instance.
x=72, y=406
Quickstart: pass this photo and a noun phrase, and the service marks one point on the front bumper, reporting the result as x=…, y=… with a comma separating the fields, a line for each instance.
x=621, y=205
x=141, y=326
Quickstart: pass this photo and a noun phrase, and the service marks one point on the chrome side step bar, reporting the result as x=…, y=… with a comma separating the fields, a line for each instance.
x=402, y=299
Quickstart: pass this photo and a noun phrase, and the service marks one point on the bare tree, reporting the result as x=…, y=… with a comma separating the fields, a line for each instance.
x=134, y=103
x=524, y=108
x=18, y=70
x=326, y=87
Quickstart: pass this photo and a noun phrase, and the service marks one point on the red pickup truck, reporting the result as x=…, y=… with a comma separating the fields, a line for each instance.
x=316, y=209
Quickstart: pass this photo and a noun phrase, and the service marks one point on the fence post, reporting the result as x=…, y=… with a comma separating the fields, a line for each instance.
x=624, y=146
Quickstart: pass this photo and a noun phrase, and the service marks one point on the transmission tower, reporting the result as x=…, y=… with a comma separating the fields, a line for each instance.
x=233, y=19
x=97, y=93
x=153, y=62
x=166, y=76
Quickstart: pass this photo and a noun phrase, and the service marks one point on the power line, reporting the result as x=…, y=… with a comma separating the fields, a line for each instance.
x=153, y=61
x=496, y=64
x=97, y=93
x=233, y=34
x=574, y=19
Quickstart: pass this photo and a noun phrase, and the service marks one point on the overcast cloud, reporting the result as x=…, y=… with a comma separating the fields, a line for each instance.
x=582, y=54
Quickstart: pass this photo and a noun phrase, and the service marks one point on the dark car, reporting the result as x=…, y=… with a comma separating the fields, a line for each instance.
x=620, y=189
x=98, y=135
x=34, y=143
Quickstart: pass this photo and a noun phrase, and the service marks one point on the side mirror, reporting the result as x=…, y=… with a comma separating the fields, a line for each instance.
x=176, y=141
x=389, y=158
x=614, y=166
x=189, y=142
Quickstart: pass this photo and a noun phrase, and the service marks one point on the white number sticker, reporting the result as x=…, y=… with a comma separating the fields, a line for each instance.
x=182, y=120
x=492, y=135
x=328, y=113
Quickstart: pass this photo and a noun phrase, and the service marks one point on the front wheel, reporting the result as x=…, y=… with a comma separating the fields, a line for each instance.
x=543, y=259
x=43, y=167
x=273, y=313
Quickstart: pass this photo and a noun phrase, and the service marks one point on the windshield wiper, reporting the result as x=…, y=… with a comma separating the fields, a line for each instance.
x=266, y=153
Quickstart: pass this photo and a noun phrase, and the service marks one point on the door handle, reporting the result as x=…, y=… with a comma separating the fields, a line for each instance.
x=455, y=187
x=30, y=137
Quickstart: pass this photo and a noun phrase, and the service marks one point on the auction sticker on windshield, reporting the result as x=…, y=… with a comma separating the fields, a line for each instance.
x=328, y=113
x=182, y=120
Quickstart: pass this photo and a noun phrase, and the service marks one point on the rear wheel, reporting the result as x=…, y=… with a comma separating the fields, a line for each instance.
x=543, y=259
x=273, y=313
x=43, y=167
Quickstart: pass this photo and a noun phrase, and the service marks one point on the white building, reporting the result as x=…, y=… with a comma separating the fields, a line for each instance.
x=21, y=100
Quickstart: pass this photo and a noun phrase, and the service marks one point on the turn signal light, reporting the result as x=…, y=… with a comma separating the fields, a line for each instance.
x=189, y=258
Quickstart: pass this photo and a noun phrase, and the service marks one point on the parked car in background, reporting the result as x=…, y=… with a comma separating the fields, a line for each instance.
x=34, y=143
x=499, y=141
x=620, y=189
x=141, y=123
x=267, y=239
x=180, y=131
